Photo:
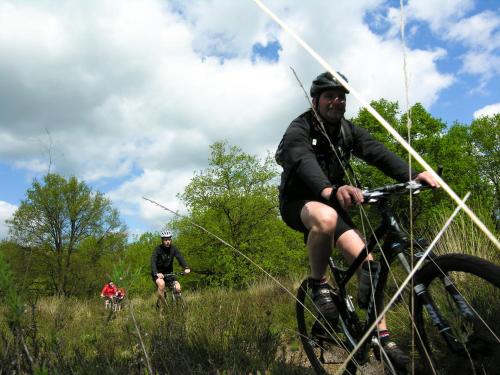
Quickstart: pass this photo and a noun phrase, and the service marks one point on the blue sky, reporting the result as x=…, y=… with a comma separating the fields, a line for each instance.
x=128, y=95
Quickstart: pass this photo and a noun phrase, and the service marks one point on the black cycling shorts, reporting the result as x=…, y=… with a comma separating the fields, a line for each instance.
x=168, y=282
x=290, y=212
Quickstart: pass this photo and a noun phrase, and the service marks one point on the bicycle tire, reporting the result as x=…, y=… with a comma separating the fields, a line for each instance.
x=317, y=336
x=478, y=281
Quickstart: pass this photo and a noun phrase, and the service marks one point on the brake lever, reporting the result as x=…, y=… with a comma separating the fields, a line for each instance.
x=415, y=186
x=373, y=196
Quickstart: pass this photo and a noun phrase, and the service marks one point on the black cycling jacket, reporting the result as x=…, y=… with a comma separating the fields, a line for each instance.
x=310, y=165
x=163, y=258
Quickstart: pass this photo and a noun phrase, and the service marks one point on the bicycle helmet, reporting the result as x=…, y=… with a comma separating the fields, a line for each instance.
x=166, y=234
x=326, y=81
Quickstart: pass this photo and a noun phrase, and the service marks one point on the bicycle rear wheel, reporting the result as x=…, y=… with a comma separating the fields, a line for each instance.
x=325, y=346
x=473, y=317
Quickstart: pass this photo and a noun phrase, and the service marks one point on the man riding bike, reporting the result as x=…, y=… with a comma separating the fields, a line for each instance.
x=162, y=264
x=314, y=196
x=108, y=292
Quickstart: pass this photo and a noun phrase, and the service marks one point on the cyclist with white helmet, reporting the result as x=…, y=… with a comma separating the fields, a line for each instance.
x=162, y=264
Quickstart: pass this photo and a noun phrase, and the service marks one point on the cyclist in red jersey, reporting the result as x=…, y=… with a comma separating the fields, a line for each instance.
x=108, y=292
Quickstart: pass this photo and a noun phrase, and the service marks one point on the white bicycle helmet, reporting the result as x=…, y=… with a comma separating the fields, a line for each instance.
x=166, y=234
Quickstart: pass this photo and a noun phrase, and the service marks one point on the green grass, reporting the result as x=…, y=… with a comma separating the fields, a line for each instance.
x=220, y=331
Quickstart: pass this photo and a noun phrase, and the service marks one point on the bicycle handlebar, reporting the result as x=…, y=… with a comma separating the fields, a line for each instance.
x=373, y=195
x=167, y=275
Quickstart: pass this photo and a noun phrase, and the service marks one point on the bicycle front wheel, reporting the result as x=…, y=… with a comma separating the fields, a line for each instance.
x=464, y=296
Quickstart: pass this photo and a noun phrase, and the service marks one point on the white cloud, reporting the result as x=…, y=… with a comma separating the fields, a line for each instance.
x=452, y=21
x=439, y=14
x=482, y=63
x=489, y=110
x=481, y=34
x=479, y=30
x=6, y=212
x=33, y=165
x=160, y=186
x=137, y=90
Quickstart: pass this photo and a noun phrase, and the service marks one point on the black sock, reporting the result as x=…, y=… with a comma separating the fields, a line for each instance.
x=383, y=336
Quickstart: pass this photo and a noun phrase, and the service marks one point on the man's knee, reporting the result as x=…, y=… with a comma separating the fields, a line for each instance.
x=177, y=287
x=160, y=283
x=324, y=224
x=319, y=218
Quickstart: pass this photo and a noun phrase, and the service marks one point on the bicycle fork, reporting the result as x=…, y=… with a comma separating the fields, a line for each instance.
x=436, y=317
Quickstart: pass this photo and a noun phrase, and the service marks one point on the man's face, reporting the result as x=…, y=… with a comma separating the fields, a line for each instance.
x=166, y=241
x=331, y=105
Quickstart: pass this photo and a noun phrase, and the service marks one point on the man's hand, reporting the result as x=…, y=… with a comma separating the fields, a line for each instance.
x=160, y=275
x=186, y=271
x=347, y=195
x=427, y=178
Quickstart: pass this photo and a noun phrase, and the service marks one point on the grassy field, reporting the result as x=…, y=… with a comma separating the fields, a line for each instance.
x=218, y=331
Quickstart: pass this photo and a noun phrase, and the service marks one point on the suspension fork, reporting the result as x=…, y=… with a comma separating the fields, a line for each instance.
x=395, y=245
x=425, y=299
x=460, y=302
x=436, y=317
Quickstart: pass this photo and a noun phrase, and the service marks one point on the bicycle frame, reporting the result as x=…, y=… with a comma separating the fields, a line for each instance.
x=388, y=227
x=175, y=296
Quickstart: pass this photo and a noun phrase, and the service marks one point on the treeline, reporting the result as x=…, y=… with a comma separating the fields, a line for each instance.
x=468, y=153
x=67, y=239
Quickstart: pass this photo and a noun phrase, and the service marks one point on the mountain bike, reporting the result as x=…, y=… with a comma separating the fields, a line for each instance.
x=456, y=329
x=116, y=303
x=108, y=302
x=170, y=278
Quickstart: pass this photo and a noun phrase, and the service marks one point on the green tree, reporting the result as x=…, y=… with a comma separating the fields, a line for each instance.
x=450, y=147
x=368, y=176
x=56, y=217
x=137, y=258
x=485, y=133
x=236, y=199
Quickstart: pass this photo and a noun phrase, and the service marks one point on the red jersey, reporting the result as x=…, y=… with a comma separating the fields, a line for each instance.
x=108, y=291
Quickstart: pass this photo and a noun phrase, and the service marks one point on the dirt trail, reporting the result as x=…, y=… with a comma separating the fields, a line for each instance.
x=298, y=359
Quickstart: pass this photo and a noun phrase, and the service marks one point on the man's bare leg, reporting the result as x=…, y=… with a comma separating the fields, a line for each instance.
x=320, y=220
x=160, y=283
x=351, y=245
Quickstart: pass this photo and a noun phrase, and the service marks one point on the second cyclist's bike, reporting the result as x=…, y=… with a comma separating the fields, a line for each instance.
x=176, y=297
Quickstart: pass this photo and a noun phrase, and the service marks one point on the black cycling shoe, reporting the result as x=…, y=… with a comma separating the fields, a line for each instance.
x=322, y=298
x=398, y=357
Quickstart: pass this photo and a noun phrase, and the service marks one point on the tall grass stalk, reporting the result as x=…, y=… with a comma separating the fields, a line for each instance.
x=464, y=237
